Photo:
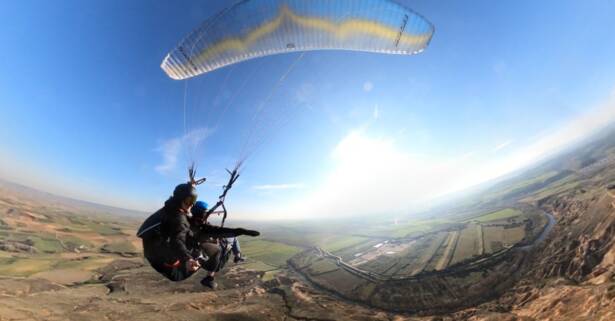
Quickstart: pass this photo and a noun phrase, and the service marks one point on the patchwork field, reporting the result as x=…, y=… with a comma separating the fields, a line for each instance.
x=68, y=245
x=457, y=263
x=436, y=249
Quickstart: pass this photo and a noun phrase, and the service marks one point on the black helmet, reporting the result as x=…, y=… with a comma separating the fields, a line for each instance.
x=183, y=191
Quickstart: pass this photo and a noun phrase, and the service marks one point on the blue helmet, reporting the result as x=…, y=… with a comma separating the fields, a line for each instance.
x=199, y=208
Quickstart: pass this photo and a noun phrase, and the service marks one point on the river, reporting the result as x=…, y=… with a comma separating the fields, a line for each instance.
x=543, y=235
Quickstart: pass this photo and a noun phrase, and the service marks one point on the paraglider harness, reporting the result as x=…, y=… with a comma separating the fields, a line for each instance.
x=234, y=175
x=225, y=246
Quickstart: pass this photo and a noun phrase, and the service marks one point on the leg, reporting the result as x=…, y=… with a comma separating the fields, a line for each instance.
x=212, y=250
x=235, y=246
x=236, y=249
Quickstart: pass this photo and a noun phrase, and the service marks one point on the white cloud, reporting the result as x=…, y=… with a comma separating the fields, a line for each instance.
x=376, y=113
x=502, y=145
x=368, y=86
x=267, y=187
x=548, y=144
x=467, y=155
x=374, y=175
x=170, y=149
x=304, y=93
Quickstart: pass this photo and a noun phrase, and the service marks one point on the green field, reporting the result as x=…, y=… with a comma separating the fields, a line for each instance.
x=26, y=266
x=349, y=253
x=258, y=266
x=443, y=243
x=417, y=227
x=554, y=189
x=123, y=247
x=47, y=244
x=342, y=242
x=14, y=266
x=498, y=215
x=271, y=253
x=103, y=229
x=431, y=246
x=520, y=186
x=468, y=244
x=88, y=264
x=73, y=242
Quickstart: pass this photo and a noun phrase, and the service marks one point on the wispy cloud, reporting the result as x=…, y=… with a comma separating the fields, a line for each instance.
x=170, y=149
x=502, y=145
x=268, y=187
x=368, y=86
x=304, y=93
x=376, y=112
x=546, y=145
x=392, y=179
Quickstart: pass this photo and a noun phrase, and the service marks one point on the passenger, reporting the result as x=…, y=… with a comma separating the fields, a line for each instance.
x=216, y=242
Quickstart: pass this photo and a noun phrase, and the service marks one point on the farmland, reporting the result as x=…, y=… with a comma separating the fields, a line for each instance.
x=38, y=239
x=468, y=257
x=440, y=246
x=68, y=245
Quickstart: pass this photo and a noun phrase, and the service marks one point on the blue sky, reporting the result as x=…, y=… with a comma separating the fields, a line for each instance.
x=86, y=111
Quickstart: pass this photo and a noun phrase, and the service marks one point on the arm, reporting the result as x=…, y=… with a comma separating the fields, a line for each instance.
x=178, y=236
x=217, y=232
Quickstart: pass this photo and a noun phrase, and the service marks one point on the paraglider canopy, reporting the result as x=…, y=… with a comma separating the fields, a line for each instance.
x=257, y=28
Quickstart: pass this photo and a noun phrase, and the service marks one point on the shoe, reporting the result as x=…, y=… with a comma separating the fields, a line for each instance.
x=239, y=258
x=209, y=282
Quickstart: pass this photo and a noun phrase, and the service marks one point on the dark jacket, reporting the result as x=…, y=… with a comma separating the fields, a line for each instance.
x=167, y=236
x=175, y=229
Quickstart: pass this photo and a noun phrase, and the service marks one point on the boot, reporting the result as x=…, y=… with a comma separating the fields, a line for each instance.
x=239, y=258
x=209, y=282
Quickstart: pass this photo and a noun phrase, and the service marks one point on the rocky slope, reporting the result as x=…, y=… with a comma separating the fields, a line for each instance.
x=128, y=290
x=572, y=276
